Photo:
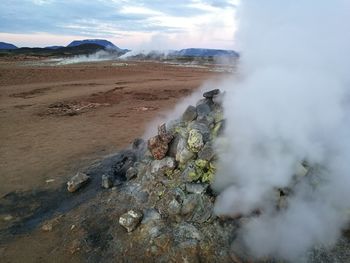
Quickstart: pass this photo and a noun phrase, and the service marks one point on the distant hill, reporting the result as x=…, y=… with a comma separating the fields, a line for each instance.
x=204, y=52
x=83, y=49
x=101, y=42
x=4, y=45
x=54, y=47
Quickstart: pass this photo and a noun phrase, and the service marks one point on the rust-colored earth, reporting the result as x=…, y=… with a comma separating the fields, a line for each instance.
x=56, y=119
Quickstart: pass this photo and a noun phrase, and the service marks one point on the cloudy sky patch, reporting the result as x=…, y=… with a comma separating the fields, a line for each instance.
x=128, y=23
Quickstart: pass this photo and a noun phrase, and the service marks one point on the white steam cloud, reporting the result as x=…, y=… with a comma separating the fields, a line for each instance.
x=289, y=104
x=100, y=55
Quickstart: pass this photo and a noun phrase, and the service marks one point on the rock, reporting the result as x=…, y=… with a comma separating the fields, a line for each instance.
x=197, y=208
x=186, y=231
x=173, y=146
x=125, y=160
x=150, y=215
x=160, y=167
x=131, y=173
x=131, y=220
x=190, y=174
x=174, y=207
x=47, y=227
x=207, y=152
x=77, y=181
x=203, y=109
x=106, y=181
x=183, y=154
x=190, y=114
x=195, y=140
x=218, y=128
x=196, y=188
x=203, y=128
x=158, y=145
x=8, y=217
x=189, y=204
x=212, y=93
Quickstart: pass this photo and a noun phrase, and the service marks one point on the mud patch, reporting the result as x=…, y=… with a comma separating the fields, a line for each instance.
x=22, y=212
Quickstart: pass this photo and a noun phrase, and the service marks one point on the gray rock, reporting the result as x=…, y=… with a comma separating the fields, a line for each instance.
x=183, y=154
x=203, y=128
x=189, y=174
x=189, y=204
x=131, y=173
x=190, y=114
x=203, y=109
x=174, y=207
x=197, y=208
x=196, y=188
x=186, y=231
x=131, y=220
x=77, y=181
x=150, y=215
x=207, y=152
x=173, y=146
x=106, y=181
x=212, y=93
x=159, y=167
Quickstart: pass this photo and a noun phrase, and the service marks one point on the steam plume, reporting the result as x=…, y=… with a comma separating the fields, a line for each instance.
x=290, y=103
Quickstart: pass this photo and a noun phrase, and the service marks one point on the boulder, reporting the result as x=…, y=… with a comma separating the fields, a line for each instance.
x=190, y=114
x=212, y=93
x=77, y=181
x=203, y=109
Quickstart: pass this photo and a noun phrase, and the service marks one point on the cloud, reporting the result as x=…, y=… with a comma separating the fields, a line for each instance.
x=117, y=18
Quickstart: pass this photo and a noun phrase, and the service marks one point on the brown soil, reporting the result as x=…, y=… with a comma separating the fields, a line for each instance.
x=57, y=119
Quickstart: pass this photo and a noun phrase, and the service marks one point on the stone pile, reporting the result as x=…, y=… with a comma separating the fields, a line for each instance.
x=161, y=192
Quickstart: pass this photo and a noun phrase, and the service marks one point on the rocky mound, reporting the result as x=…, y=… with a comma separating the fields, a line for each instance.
x=159, y=206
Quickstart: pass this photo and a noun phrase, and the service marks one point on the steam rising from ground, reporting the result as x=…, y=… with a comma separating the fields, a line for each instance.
x=290, y=103
x=101, y=55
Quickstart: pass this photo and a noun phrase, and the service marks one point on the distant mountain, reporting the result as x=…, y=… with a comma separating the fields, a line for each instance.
x=4, y=45
x=83, y=49
x=204, y=52
x=101, y=42
x=54, y=47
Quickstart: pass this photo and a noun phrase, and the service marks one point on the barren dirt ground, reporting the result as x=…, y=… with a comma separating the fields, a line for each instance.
x=57, y=119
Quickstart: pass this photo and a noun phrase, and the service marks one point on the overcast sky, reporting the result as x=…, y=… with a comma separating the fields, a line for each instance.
x=158, y=24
